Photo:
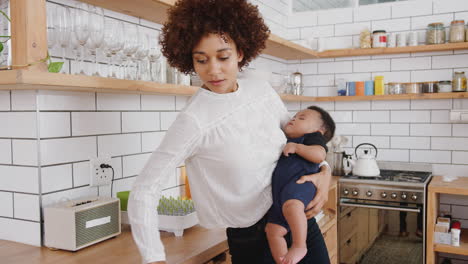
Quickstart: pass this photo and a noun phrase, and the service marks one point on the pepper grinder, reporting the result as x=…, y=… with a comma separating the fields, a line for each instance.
x=296, y=83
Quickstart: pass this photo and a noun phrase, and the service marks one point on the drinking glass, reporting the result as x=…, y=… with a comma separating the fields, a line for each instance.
x=96, y=34
x=113, y=43
x=63, y=28
x=131, y=46
x=82, y=30
x=51, y=33
x=141, y=57
x=154, y=56
x=5, y=56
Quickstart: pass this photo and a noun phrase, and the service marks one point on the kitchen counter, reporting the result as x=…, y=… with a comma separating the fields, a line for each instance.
x=197, y=245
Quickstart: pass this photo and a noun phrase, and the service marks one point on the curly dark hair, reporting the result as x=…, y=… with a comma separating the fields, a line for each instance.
x=190, y=20
x=328, y=122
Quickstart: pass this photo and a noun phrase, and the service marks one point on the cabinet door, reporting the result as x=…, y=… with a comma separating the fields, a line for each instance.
x=363, y=229
x=373, y=224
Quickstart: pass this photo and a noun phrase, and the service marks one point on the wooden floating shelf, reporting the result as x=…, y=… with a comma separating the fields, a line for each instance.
x=295, y=98
x=32, y=80
x=461, y=250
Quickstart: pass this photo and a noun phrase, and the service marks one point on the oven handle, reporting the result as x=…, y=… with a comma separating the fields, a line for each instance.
x=416, y=210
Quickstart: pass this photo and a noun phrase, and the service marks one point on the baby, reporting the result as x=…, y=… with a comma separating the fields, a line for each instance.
x=307, y=132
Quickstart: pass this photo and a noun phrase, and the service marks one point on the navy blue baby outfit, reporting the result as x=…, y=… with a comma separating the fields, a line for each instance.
x=288, y=170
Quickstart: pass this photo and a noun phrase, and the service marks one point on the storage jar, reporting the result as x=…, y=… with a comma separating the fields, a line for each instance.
x=360, y=88
x=435, y=33
x=379, y=39
x=459, y=82
x=445, y=86
x=413, y=88
x=430, y=87
x=396, y=88
x=379, y=87
x=457, y=31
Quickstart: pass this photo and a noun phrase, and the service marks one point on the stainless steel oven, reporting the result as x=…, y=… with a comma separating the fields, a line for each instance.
x=398, y=194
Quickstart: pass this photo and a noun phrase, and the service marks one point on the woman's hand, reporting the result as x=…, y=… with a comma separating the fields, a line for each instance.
x=321, y=180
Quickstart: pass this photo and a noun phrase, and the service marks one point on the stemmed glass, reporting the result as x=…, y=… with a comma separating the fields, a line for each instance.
x=141, y=57
x=51, y=32
x=96, y=36
x=154, y=62
x=63, y=28
x=82, y=30
x=131, y=47
x=113, y=43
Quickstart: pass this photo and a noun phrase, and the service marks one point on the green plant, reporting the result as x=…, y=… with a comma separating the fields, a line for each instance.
x=51, y=66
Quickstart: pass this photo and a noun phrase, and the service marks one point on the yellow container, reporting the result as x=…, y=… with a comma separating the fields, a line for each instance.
x=379, y=87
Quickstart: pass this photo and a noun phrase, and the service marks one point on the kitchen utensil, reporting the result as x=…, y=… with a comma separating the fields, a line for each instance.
x=365, y=165
x=338, y=163
x=296, y=83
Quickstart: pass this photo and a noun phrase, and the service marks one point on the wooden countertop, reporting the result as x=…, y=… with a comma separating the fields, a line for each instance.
x=197, y=245
x=458, y=186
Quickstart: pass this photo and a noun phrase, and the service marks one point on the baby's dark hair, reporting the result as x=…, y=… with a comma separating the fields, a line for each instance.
x=328, y=122
x=190, y=20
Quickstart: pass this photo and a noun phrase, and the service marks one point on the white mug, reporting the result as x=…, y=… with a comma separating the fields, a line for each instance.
x=391, y=40
x=401, y=40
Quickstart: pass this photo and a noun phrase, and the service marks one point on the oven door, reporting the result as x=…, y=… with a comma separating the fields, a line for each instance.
x=380, y=232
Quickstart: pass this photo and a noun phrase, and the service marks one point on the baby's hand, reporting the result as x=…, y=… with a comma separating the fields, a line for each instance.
x=290, y=148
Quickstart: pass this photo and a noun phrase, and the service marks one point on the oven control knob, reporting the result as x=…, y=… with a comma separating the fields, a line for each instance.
x=414, y=197
x=345, y=192
x=404, y=196
x=369, y=193
x=355, y=192
x=393, y=195
x=384, y=195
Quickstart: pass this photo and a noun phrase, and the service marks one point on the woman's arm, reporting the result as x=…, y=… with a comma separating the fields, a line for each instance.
x=179, y=143
x=322, y=181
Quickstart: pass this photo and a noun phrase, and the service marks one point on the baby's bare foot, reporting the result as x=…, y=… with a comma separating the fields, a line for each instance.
x=294, y=255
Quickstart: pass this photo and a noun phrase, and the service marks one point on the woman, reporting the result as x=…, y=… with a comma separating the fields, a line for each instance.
x=229, y=135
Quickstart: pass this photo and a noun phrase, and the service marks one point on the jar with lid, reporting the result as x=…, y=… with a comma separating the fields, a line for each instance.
x=430, y=87
x=379, y=39
x=457, y=31
x=435, y=33
x=395, y=88
x=379, y=87
x=413, y=88
x=459, y=82
x=445, y=86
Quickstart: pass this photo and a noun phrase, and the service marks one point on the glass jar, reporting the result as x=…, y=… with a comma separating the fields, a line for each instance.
x=459, y=82
x=430, y=87
x=435, y=33
x=379, y=39
x=413, y=88
x=457, y=31
x=396, y=88
x=445, y=86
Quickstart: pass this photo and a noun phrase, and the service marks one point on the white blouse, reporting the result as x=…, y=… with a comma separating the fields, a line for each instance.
x=230, y=144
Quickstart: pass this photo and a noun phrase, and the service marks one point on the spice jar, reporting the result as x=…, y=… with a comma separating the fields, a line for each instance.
x=379, y=39
x=413, y=88
x=445, y=86
x=457, y=31
x=459, y=82
x=430, y=87
x=435, y=33
x=365, y=39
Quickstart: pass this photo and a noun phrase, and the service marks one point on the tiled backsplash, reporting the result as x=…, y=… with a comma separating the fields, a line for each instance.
x=74, y=126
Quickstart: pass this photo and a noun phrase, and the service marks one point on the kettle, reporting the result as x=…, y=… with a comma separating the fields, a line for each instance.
x=365, y=165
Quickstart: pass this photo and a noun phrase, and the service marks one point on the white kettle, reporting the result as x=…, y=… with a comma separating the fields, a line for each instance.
x=365, y=165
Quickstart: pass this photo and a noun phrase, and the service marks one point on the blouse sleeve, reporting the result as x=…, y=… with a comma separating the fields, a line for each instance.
x=179, y=143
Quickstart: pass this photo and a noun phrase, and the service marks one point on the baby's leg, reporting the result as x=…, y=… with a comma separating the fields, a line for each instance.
x=275, y=235
x=293, y=211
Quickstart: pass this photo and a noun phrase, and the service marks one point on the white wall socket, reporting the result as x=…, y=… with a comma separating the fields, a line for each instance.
x=100, y=176
x=459, y=116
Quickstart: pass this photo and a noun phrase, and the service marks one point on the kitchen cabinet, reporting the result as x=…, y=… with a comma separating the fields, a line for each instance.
x=358, y=229
x=437, y=187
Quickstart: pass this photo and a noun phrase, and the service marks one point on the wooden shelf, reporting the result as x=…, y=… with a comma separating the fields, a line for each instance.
x=396, y=50
x=295, y=98
x=30, y=80
x=461, y=250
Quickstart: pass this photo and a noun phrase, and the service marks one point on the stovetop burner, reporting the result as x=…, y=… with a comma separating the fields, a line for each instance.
x=396, y=176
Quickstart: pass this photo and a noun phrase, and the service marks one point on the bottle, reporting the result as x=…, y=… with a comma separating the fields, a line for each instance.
x=379, y=87
x=455, y=237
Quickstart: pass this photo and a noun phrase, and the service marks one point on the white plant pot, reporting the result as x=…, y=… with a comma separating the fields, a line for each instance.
x=170, y=223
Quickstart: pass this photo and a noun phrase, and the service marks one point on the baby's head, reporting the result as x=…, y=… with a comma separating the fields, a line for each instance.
x=310, y=120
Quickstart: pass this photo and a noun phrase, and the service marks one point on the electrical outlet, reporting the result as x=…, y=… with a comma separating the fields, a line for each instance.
x=100, y=175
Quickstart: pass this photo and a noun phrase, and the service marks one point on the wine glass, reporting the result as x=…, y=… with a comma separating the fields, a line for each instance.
x=113, y=43
x=131, y=46
x=154, y=61
x=96, y=36
x=141, y=56
x=51, y=33
x=63, y=28
x=82, y=30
